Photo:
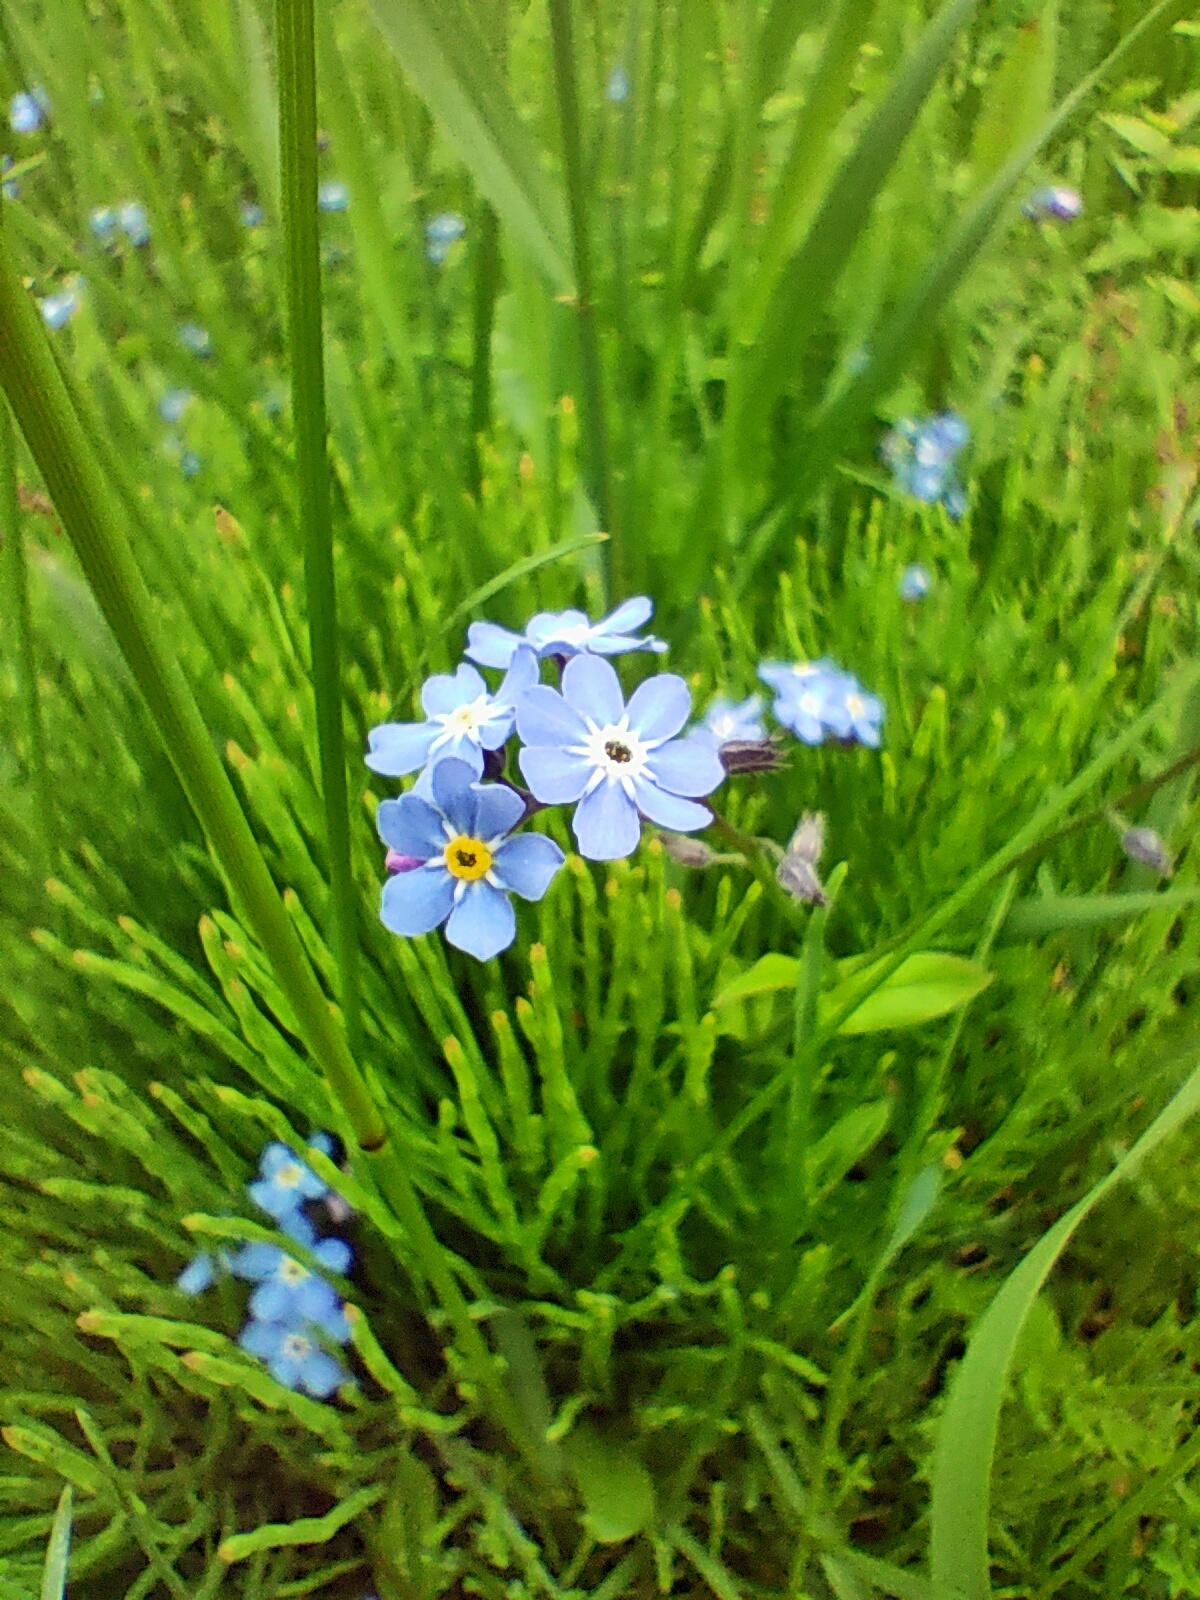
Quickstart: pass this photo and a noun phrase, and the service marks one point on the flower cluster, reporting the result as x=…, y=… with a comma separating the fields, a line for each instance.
x=130, y=219
x=921, y=456
x=453, y=855
x=817, y=698
x=442, y=233
x=290, y=1305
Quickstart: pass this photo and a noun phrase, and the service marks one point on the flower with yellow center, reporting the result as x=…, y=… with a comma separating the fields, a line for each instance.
x=467, y=858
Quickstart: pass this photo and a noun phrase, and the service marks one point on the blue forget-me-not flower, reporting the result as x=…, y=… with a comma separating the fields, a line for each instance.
x=566, y=633
x=293, y=1358
x=724, y=721
x=922, y=454
x=28, y=110
x=173, y=404
x=1055, y=202
x=442, y=233
x=333, y=195
x=134, y=222
x=619, y=762
x=915, y=582
x=285, y=1182
x=250, y=212
x=58, y=309
x=618, y=86
x=196, y=339
x=463, y=720
x=469, y=865
x=815, y=698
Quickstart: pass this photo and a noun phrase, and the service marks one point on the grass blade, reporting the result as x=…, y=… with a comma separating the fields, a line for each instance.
x=54, y=1573
x=446, y=57
x=298, y=188
x=1071, y=913
x=967, y=1439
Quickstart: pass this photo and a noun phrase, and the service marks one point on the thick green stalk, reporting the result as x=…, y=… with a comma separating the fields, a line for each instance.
x=92, y=518
x=594, y=423
x=16, y=608
x=298, y=188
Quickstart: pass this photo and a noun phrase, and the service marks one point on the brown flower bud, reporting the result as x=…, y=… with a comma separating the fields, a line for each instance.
x=752, y=755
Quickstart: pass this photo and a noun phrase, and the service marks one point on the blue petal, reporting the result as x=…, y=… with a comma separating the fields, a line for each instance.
x=272, y=1300
x=262, y=1339
x=197, y=1275
x=545, y=718
x=334, y=1254
x=454, y=794
x=660, y=706
x=285, y=1370
x=617, y=644
x=549, y=629
x=498, y=809
x=491, y=646
x=316, y=1298
x=522, y=674
x=686, y=766
x=321, y=1374
x=802, y=723
x=483, y=922
x=256, y=1260
x=443, y=693
x=591, y=687
x=461, y=748
x=527, y=863
x=411, y=826
x=398, y=748
x=416, y=902
x=668, y=810
x=606, y=823
x=628, y=616
x=333, y=1322
x=555, y=776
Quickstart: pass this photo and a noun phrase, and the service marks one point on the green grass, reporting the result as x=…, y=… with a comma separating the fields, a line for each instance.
x=653, y=1295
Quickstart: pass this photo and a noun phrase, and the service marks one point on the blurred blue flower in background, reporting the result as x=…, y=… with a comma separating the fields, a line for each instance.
x=333, y=195
x=566, y=633
x=915, y=582
x=189, y=463
x=28, y=110
x=284, y=1181
x=58, y=309
x=441, y=234
x=196, y=339
x=724, y=721
x=173, y=404
x=618, y=87
x=292, y=1357
x=921, y=455
x=621, y=763
x=134, y=222
x=250, y=212
x=102, y=220
x=10, y=187
x=816, y=698
x=202, y=1271
x=1056, y=202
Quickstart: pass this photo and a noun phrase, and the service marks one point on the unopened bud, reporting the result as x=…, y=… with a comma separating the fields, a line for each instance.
x=797, y=872
x=395, y=862
x=751, y=755
x=1144, y=845
x=687, y=852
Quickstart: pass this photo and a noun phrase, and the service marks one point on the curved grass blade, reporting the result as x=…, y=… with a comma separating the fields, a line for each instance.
x=447, y=59
x=942, y=277
x=54, y=1573
x=1071, y=913
x=967, y=1438
x=294, y=25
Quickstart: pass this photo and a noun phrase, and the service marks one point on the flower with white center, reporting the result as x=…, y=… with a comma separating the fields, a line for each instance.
x=463, y=719
x=466, y=864
x=621, y=763
x=566, y=633
x=724, y=722
x=292, y=1357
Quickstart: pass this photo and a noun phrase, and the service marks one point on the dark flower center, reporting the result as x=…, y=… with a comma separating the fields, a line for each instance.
x=615, y=751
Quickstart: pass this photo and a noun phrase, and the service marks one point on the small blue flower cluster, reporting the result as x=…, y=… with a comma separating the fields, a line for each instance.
x=817, y=698
x=57, y=309
x=130, y=219
x=1054, y=203
x=442, y=233
x=452, y=853
x=196, y=339
x=29, y=110
x=921, y=455
x=290, y=1305
x=915, y=582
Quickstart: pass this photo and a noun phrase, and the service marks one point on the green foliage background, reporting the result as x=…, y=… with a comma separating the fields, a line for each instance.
x=730, y=1265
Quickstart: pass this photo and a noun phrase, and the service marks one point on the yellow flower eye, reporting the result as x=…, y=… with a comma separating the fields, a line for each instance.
x=467, y=858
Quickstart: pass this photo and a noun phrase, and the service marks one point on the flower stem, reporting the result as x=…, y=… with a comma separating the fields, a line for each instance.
x=758, y=860
x=298, y=183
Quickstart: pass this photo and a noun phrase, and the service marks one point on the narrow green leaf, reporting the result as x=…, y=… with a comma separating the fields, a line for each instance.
x=967, y=1438
x=446, y=57
x=307, y=1530
x=850, y=1138
x=925, y=985
x=54, y=1573
x=298, y=186
x=616, y=1489
x=1068, y=913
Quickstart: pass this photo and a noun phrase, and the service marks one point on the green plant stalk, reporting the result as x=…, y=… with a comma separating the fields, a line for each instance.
x=591, y=370
x=298, y=185
x=91, y=517
x=16, y=606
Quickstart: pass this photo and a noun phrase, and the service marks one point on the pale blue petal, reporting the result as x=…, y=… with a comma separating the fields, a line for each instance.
x=443, y=693
x=256, y=1260
x=498, y=809
x=522, y=674
x=527, y=864
x=491, y=646
x=321, y=1374
x=334, y=1254
x=262, y=1339
x=461, y=748
x=550, y=628
x=618, y=644
x=285, y=1369
x=606, y=823
x=411, y=826
x=545, y=718
x=555, y=776
x=453, y=793
x=591, y=687
x=668, y=810
x=333, y=1322
x=197, y=1275
x=272, y=1300
x=686, y=766
x=397, y=748
x=628, y=616
x=416, y=902
x=497, y=731
x=316, y=1298
x=660, y=706
x=483, y=922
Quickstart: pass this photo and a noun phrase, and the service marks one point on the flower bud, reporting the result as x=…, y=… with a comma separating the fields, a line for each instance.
x=1144, y=845
x=395, y=862
x=687, y=852
x=751, y=755
x=797, y=872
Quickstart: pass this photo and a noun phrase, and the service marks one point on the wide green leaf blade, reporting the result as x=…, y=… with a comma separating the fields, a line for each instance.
x=447, y=59
x=616, y=1490
x=967, y=1440
x=926, y=985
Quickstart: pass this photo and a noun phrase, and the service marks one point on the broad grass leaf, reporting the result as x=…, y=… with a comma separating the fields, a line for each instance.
x=446, y=57
x=768, y=973
x=850, y=1138
x=925, y=985
x=616, y=1490
x=1017, y=97
x=962, y=1466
